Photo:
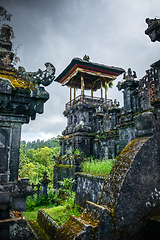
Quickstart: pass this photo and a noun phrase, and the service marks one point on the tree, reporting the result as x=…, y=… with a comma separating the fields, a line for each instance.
x=32, y=163
x=4, y=16
x=7, y=53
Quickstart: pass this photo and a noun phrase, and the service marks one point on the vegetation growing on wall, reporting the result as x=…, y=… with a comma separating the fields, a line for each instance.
x=97, y=166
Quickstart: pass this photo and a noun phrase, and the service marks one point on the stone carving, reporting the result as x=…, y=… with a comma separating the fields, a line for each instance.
x=86, y=58
x=130, y=76
x=44, y=181
x=40, y=77
x=153, y=30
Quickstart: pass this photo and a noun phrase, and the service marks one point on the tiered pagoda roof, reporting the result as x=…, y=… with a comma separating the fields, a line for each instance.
x=93, y=74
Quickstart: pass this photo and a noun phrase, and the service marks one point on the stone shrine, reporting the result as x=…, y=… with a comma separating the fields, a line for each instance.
x=85, y=114
x=21, y=97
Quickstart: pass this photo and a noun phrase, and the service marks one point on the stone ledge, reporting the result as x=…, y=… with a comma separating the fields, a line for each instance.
x=90, y=176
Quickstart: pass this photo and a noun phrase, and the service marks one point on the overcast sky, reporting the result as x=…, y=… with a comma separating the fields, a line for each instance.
x=111, y=32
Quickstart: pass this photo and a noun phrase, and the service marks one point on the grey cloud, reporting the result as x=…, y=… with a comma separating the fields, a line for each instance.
x=110, y=32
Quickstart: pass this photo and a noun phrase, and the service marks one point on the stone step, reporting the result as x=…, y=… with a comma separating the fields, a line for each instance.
x=87, y=225
x=84, y=227
x=44, y=227
x=75, y=228
x=37, y=233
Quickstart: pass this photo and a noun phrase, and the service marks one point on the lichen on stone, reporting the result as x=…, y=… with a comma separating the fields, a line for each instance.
x=15, y=79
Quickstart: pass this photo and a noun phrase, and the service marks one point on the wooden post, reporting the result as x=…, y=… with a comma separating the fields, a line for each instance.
x=82, y=87
x=92, y=93
x=101, y=90
x=74, y=93
x=106, y=91
x=70, y=95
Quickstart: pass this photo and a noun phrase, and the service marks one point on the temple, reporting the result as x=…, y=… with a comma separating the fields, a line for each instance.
x=85, y=113
x=127, y=206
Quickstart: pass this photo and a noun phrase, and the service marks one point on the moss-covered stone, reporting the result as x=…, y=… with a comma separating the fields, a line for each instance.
x=15, y=79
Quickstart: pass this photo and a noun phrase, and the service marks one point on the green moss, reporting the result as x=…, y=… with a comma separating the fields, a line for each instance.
x=127, y=124
x=38, y=230
x=120, y=167
x=31, y=215
x=61, y=214
x=136, y=114
x=104, y=135
x=15, y=79
x=93, y=175
x=63, y=166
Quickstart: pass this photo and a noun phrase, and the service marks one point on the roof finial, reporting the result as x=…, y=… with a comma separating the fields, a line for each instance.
x=86, y=58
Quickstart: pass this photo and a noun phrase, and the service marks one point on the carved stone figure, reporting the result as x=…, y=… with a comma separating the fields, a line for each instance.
x=40, y=77
x=153, y=30
x=130, y=76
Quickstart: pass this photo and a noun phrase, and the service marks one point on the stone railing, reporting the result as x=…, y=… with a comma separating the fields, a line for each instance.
x=88, y=100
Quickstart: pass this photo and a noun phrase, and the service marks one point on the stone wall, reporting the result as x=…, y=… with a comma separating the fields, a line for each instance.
x=62, y=171
x=88, y=188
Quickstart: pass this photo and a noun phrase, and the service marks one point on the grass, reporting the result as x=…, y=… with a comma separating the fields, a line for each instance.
x=97, y=166
x=31, y=215
x=60, y=214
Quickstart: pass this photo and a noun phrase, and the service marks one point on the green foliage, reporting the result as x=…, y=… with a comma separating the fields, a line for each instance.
x=97, y=166
x=32, y=171
x=50, y=143
x=78, y=152
x=42, y=201
x=60, y=210
x=23, y=158
x=67, y=184
x=110, y=84
x=32, y=163
x=31, y=203
x=62, y=213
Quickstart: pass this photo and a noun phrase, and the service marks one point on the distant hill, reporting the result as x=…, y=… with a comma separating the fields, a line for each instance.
x=53, y=142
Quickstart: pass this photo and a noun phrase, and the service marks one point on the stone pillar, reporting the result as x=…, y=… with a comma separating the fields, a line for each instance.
x=128, y=86
x=44, y=181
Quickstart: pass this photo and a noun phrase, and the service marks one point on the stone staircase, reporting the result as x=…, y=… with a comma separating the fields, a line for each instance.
x=44, y=227
x=89, y=225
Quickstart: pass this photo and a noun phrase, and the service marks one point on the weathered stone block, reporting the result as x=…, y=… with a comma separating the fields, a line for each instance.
x=88, y=188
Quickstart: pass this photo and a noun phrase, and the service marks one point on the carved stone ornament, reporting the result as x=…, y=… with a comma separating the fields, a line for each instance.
x=153, y=30
x=40, y=77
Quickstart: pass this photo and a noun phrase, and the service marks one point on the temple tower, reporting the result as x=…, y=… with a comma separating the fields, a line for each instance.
x=85, y=113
